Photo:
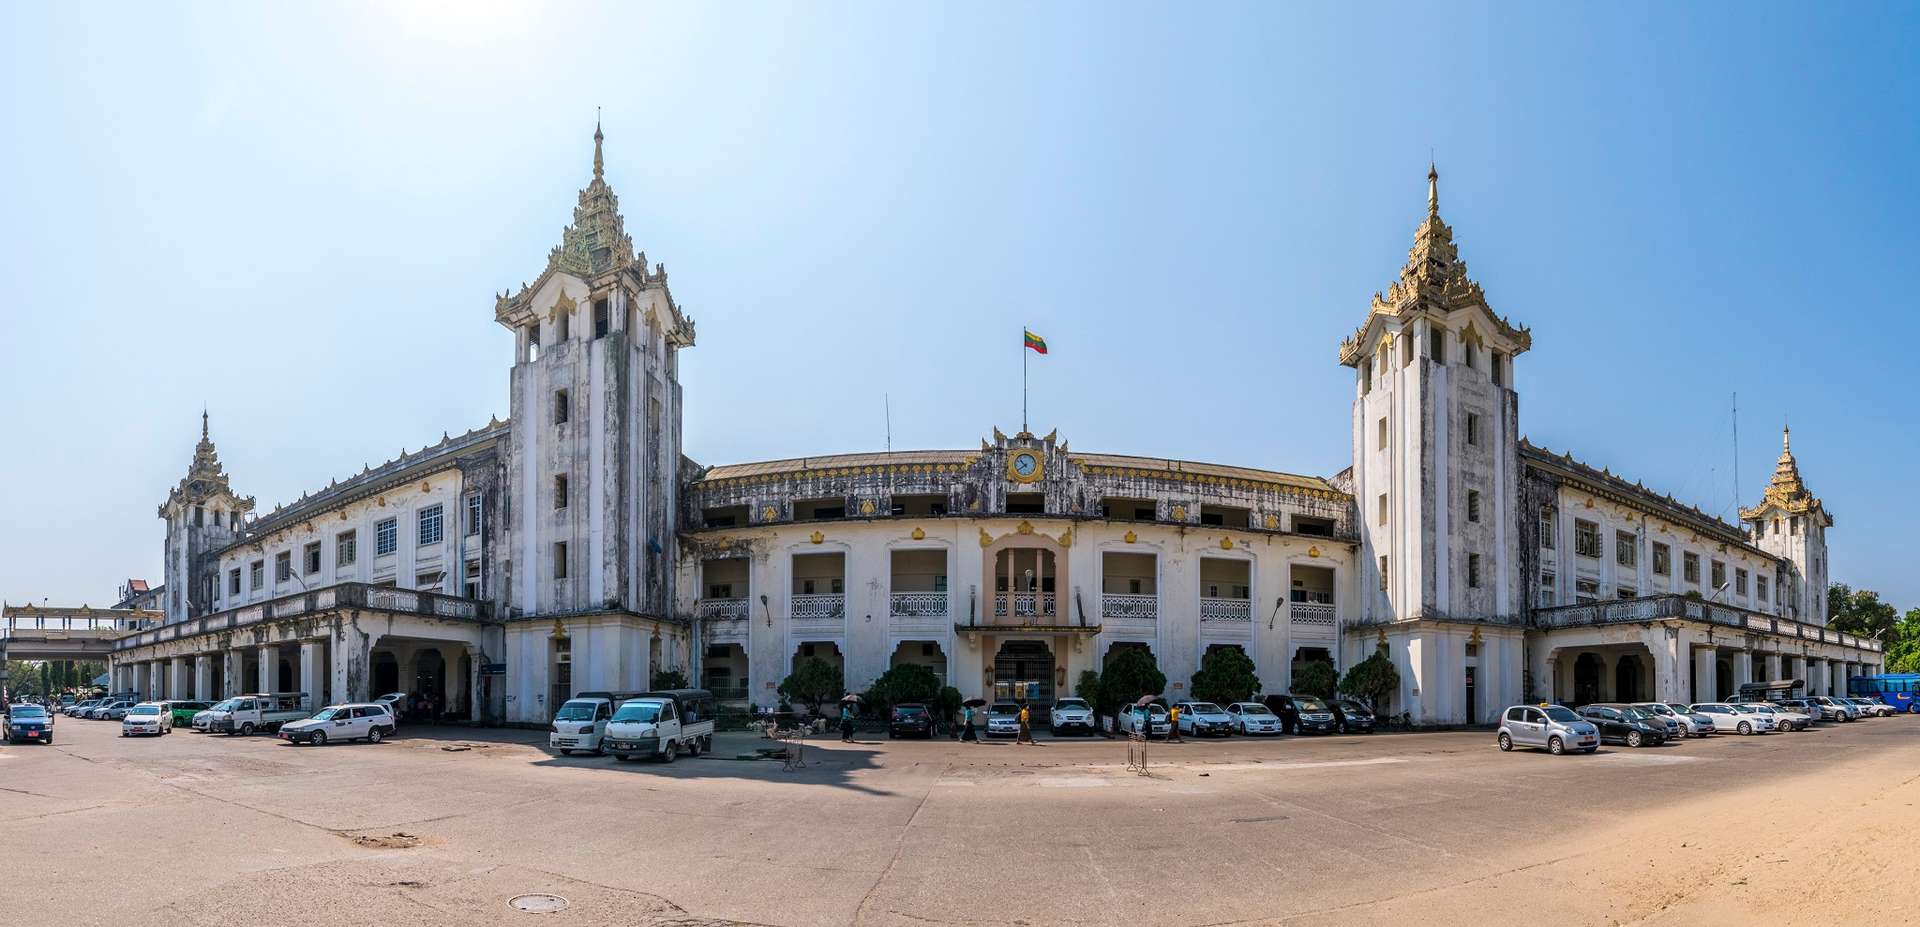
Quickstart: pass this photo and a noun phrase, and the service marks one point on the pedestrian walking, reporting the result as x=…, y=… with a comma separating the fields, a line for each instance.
x=969, y=734
x=1173, y=724
x=846, y=722
x=1026, y=730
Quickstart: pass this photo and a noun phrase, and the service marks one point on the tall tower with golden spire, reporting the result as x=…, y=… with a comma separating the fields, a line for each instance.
x=1790, y=522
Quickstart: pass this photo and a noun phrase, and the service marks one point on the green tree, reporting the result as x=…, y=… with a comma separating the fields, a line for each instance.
x=1089, y=688
x=1859, y=611
x=1226, y=676
x=670, y=679
x=1131, y=673
x=1315, y=677
x=1373, y=679
x=908, y=682
x=813, y=683
x=947, y=703
x=1903, y=644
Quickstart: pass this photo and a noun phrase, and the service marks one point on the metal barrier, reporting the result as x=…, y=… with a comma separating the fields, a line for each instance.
x=794, y=742
x=1137, y=753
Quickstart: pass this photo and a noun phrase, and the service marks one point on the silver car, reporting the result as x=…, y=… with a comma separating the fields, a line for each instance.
x=1677, y=716
x=1554, y=728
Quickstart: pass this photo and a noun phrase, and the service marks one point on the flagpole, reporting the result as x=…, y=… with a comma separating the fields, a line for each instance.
x=1023, y=379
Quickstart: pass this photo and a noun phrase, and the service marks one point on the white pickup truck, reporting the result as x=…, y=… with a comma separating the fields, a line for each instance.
x=581, y=723
x=662, y=725
x=263, y=711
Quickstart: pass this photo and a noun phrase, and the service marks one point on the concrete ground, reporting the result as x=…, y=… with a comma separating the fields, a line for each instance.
x=446, y=825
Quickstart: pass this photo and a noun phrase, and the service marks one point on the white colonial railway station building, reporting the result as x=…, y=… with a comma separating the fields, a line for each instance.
x=574, y=547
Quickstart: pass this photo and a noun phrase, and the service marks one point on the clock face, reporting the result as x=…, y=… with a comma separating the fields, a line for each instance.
x=1024, y=466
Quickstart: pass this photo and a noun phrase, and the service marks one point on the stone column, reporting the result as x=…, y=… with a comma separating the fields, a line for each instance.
x=230, y=676
x=1606, y=676
x=140, y=679
x=1790, y=667
x=269, y=669
x=1706, y=674
x=1742, y=670
x=312, y=670
x=474, y=684
x=203, y=677
x=1816, y=677
x=1772, y=667
x=1668, y=683
x=177, y=678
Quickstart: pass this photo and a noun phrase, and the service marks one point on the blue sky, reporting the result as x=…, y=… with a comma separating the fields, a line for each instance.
x=298, y=216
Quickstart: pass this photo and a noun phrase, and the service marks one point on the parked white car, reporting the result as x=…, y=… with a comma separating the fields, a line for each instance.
x=581, y=723
x=1070, y=714
x=203, y=720
x=1202, y=718
x=1872, y=707
x=368, y=721
x=396, y=703
x=1834, y=709
x=146, y=718
x=1157, y=723
x=1691, y=723
x=1740, y=719
x=1254, y=718
x=662, y=725
x=1786, y=719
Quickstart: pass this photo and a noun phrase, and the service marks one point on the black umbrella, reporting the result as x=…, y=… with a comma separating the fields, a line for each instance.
x=974, y=703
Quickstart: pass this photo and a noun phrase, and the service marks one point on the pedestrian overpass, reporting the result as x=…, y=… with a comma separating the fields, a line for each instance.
x=39, y=633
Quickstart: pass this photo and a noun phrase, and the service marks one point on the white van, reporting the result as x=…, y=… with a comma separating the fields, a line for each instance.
x=261, y=711
x=662, y=725
x=581, y=722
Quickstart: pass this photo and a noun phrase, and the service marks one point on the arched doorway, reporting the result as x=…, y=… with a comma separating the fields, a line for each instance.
x=1023, y=671
x=1586, y=678
x=1723, y=676
x=1626, y=679
x=430, y=677
x=385, y=673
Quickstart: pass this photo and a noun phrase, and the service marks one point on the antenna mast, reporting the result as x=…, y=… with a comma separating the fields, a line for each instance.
x=1736, y=452
x=887, y=398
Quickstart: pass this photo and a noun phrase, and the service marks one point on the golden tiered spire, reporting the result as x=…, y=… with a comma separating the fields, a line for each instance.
x=1787, y=492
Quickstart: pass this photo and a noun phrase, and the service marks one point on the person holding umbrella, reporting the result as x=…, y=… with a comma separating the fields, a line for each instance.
x=846, y=717
x=968, y=706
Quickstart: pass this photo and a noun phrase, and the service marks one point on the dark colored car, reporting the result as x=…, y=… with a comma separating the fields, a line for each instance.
x=29, y=724
x=1625, y=724
x=1351, y=716
x=1301, y=714
x=910, y=719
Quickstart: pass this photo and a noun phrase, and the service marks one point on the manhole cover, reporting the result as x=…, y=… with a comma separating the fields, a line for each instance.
x=538, y=903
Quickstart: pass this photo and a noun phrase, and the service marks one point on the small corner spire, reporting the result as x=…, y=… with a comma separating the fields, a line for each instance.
x=1786, y=439
x=203, y=423
x=1433, y=190
x=599, y=166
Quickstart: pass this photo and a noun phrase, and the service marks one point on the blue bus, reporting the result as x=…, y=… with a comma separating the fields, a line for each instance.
x=1896, y=689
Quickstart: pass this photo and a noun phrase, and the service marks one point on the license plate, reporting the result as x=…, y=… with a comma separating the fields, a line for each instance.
x=33, y=735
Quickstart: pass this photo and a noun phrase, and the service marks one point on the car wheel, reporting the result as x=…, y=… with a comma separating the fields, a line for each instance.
x=1506, y=743
x=1745, y=728
x=621, y=757
x=671, y=753
x=1634, y=740
x=374, y=735
x=319, y=739
x=247, y=728
x=565, y=752
x=1555, y=746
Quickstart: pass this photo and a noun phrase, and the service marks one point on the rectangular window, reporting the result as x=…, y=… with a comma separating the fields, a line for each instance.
x=560, y=560
x=1499, y=376
x=1380, y=443
x=560, y=491
x=429, y=525
x=283, y=566
x=1719, y=575
x=562, y=407
x=1586, y=538
x=310, y=557
x=386, y=537
x=233, y=581
x=1473, y=505
x=1626, y=549
x=1383, y=508
x=346, y=548
x=1473, y=571
x=563, y=326
x=1437, y=346
x=1383, y=573
x=256, y=574
x=470, y=585
x=473, y=515
x=602, y=319
x=1761, y=587
x=1624, y=592
x=1473, y=429
x=1549, y=587
x=1793, y=527
x=1739, y=582
x=1586, y=590
x=1662, y=559
x=1690, y=567
x=1546, y=527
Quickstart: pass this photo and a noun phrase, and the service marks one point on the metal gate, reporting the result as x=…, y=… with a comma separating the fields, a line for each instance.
x=1023, y=671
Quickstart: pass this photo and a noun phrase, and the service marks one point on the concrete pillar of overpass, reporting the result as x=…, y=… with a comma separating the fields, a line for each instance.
x=231, y=671
x=269, y=668
x=177, y=679
x=1742, y=670
x=313, y=670
x=1706, y=674
x=203, y=677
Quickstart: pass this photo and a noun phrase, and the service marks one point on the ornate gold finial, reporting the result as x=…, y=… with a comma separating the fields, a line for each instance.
x=919, y=534
x=1130, y=537
x=1433, y=190
x=1226, y=543
x=1786, y=439
x=1313, y=552
x=818, y=538
x=599, y=166
x=986, y=540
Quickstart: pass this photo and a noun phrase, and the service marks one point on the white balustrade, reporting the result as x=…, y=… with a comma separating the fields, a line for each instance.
x=1212, y=609
x=1129, y=606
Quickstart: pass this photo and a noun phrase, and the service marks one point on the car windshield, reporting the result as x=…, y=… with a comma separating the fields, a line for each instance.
x=1560, y=713
x=908, y=711
x=1636, y=712
x=1352, y=707
x=28, y=711
x=325, y=714
x=644, y=712
x=1656, y=708
x=226, y=705
x=1746, y=709
x=1005, y=710
x=1071, y=703
x=1254, y=710
x=575, y=711
x=144, y=710
x=1310, y=704
x=1205, y=708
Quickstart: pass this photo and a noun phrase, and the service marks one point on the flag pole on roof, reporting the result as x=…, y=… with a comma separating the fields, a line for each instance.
x=1028, y=341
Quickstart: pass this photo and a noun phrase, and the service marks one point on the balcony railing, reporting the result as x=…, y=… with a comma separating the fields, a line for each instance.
x=720, y=609
x=1123, y=606
x=1661, y=607
x=1310, y=613
x=341, y=595
x=1212, y=609
x=1025, y=605
x=831, y=605
x=918, y=605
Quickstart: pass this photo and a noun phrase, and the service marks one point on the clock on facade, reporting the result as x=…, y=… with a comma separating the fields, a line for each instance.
x=1024, y=467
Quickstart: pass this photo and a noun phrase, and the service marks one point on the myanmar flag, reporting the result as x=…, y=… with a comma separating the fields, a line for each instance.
x=1036, y=342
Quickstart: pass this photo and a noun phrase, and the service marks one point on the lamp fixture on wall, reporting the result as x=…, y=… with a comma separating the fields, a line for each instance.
x=764, y=608
x=1277, y=602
